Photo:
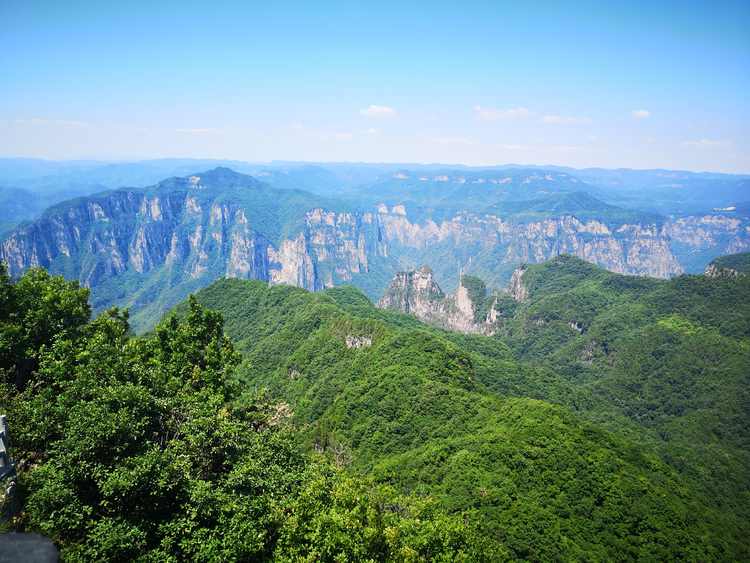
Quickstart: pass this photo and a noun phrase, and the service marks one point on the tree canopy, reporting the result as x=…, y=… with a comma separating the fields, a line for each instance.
x=133, y=449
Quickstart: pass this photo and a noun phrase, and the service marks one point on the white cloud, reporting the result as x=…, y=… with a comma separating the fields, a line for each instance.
x=378, y=112
x=58, y=122
x=566, y=148
x=372, y=131
x=565, y=120
x=195, y=131
x=494, y=114
x=453, y=141
x=336, y=136
x=640, y=113
x=706, y=143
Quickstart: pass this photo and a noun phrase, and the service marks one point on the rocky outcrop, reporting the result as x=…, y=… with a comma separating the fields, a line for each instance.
x=131, y=231
x=714, y=271
x=517, y=288
x=356, y=342
x=414, y=292
x=726, y=234
x=417, y=293
x=104, y=236
x=730, y=266
x=292, y=264
x=342, y=244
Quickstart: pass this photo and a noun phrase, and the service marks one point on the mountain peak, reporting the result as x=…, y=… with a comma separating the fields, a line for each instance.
x=221, y=175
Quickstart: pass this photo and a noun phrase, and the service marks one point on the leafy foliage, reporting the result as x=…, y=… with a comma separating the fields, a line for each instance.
x=664, y=362
x=134, y=449
x=431, y=412
x=606, y=420
x=33, y=312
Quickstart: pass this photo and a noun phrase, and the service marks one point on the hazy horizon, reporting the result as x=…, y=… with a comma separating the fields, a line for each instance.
x=281, y=161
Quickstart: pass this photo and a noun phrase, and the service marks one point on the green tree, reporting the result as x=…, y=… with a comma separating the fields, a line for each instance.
x=133, y=448
x=33, y=312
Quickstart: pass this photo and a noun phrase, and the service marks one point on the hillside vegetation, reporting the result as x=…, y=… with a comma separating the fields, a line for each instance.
x=135, y=449
x=664, y=362
x=633, y=446
x=605, y=420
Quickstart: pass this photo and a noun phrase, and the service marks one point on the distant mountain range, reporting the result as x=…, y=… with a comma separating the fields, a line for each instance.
x=663, y=191
x=148, y=247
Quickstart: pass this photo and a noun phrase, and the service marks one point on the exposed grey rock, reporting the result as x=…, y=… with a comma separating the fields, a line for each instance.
x=629, y=249
x=353, y=341
x=517, y=288
x=418, y=293
x=714, y=271
x=184, y=236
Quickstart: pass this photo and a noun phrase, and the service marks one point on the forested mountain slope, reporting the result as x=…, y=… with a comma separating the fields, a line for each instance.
x=137, y=449
x=672, y=357
x=606, y=419
x=621, y=436
x=664, y=361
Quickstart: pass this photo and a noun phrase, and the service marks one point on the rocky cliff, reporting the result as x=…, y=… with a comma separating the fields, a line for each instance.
x=417, y=293
x=124, y=231
x=517, y=288
x=628, y=248
x=136, y=247
x=199, y=234
x=731, y=266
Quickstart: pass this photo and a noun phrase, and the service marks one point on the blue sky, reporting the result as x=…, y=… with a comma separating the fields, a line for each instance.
x=616, y=84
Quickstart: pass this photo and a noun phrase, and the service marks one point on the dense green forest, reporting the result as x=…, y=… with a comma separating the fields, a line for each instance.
x=605, y=420
x=134, y=448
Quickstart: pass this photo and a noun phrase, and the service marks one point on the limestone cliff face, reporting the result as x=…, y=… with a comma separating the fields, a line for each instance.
x=417, y=293
x=726, y=234
x=131, y=231
x=714, y=271
x=628, y=249
x=186, y=232
x=342, y=244
x=517, y=288
x=90, y=228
